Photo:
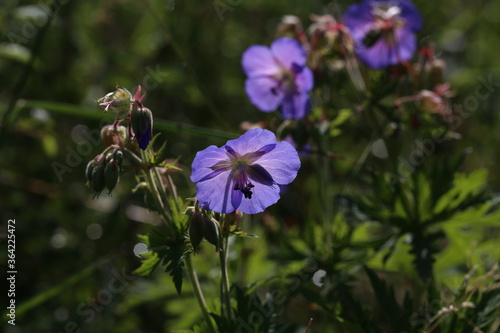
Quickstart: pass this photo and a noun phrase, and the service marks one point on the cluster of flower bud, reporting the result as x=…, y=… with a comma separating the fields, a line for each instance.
x=201, y=226
x=104, y=171
x=128, y=107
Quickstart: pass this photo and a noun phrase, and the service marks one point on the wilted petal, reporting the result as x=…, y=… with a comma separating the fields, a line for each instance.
x=263, y=93
x=288, y=51
x=258, y=61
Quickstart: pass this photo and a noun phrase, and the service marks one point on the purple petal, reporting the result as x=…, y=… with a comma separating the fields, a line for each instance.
x=411, y=15
x=288, y=51
x=258, y=61
x=252, y=141
x=261, y=93
x=143, y=139
x=231, y=152
x=254, y=156
x=263, y=197
x=357, y=16
x=213, y=174
x=282, y=163
x=296, y=106
x=304, y=80
x=381, y=54
x=204, y=160
x=377, y=56
x=407, y=44
x=258, y=174
x=236, y=196
x=216, y=193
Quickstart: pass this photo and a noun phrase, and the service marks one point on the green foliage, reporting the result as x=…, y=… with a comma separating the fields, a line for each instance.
x=170, y=254
x=420, y=207
x=356, y=243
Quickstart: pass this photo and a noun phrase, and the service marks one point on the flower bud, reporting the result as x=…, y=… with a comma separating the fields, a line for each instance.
x=430, y=101
x=142, y=125
x=196, y=227
x=118, y=101
x=118, y=157
x=111, y=136
x=89, y=169
x=290, y=25
x=111, y=175
x=212, y=232
x=436, y=69
x=98, y=181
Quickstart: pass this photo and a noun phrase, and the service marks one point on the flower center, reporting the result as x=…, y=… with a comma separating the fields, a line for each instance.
x=387, y=20
x=241, y=181
x=285, y=81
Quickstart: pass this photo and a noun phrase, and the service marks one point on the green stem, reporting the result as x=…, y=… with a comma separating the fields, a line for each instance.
x=153, y=187
x=159, y=193
x=132, y=156
x=160, y=185
x=225, y=289
x=199, y=294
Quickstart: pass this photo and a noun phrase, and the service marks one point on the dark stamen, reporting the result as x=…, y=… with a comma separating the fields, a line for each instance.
x=247, y=192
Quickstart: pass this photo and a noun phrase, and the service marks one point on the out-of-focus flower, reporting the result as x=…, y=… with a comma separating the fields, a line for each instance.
x=328, y=35
x=430, y=101
x=436, y=101
x=291, y=26
x=383, y=31
x=245, y=173
x=118, y=101
x=302, y=150
x=277, y=76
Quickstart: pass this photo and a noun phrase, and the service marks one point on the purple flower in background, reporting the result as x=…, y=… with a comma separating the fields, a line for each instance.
x=245, y=173
x=278, y=76
x=383, y=31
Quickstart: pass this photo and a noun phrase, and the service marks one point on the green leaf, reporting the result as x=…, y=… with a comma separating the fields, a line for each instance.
x=174, y=261
x=161, y=155
x=148, y=265
x=464, y=187
x=235, y=230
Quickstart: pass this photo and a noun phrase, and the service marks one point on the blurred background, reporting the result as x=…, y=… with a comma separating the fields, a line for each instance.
x=75, y=254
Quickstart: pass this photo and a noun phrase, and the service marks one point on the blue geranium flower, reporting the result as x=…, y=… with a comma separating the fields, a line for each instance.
x=245, y=173
x=383, y=31
x=278, y=76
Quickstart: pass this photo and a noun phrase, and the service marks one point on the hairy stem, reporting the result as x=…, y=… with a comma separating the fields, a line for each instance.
x=153, y=188
x=199, y=294
x=225, y=288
